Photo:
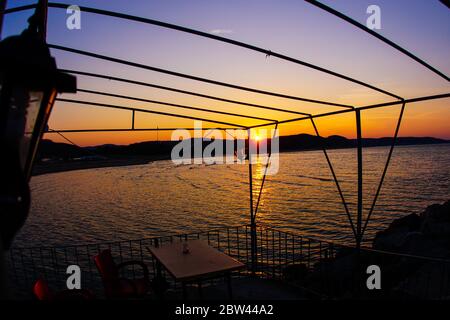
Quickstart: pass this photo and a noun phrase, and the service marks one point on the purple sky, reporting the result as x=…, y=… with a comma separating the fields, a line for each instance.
x=294, y=28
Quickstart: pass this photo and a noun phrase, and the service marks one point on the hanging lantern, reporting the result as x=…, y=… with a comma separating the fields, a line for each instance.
x=29, y=83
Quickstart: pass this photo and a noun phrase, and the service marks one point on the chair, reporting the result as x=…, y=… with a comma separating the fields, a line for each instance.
x=43, y=293
x=115, y=286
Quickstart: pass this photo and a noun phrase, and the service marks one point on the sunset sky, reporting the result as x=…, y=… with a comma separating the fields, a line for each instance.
x=294, y=28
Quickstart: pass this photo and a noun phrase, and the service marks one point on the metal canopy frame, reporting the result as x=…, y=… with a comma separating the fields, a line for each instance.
x=360, y=226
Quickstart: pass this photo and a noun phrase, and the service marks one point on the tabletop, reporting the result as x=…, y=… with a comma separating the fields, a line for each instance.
x=201, y=260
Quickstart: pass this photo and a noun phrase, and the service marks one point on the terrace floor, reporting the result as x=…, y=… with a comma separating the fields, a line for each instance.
x=243, y=289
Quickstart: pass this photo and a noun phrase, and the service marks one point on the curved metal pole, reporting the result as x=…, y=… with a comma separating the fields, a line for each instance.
x=192, y=77
x=196, y=94
x=411, y=100
x=254, y=48
x=418, y=99
x=175, y=105
x=226, y=40
x=105, y=105
x=378, y=36
x=336, y=181
x=391, y=150
x=129, y=130
x=20, y=8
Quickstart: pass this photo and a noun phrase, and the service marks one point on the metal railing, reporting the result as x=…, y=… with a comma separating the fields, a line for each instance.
x=320, y=269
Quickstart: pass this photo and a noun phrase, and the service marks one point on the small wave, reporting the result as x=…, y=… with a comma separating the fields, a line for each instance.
x=187, y=181
x=314, y=178
x=298, y=184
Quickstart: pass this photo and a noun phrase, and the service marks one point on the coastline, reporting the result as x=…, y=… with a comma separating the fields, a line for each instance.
x=120, y=161
x=41, y=168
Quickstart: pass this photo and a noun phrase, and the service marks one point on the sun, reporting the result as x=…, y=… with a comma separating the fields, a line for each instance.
x=257, y=138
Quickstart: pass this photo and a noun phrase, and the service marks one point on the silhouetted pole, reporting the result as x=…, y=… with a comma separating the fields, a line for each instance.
x=330, y=166
x=265, y=171
x=2, y=9
x=379, y=36
x=252, y=216
x=359, y=270
x=383, y=175
x=360, y=178
x=44, y=11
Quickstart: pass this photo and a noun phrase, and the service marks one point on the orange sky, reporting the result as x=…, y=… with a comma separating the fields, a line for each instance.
x=420, y=119
x=294, y=28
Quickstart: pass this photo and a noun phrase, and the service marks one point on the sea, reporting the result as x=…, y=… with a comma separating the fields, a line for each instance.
x=162, y=198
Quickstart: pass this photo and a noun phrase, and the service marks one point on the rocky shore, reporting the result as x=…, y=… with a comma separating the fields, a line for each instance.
x=425, y=234
x=413, y=255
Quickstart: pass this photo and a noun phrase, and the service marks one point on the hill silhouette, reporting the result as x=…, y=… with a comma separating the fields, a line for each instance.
x=63, y=151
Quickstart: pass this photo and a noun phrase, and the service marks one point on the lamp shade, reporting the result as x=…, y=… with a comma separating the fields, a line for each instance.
x=29, y=83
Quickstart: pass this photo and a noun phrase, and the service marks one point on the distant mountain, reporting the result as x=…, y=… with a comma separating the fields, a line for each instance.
x=50, y=149
x=309, y=142
x=63, y=151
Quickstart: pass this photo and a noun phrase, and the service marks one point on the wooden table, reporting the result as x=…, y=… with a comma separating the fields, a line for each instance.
x=202, y=261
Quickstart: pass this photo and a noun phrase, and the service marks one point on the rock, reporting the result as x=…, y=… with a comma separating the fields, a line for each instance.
x=409, y=223
x=427, y=234
x=414, y=258
x=426, y=282
x=436, y=221
x=390, y=241
x=437, y=212
x=396, y=236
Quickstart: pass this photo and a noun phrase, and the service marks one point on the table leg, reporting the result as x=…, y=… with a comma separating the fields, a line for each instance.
x=158, y=269
x=183, y=285
x=200, y=290
x=159, y=282
x=228, y=279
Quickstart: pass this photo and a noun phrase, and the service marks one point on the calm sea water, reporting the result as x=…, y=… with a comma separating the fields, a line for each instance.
x=160, y=198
